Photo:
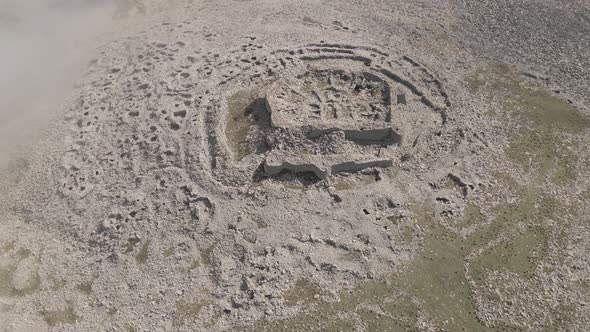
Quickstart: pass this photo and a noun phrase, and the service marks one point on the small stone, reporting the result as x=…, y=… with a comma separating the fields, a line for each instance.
x=107, y=223
x=250, y=236
x=378, y=176
x=313, y=237
x=364, y=238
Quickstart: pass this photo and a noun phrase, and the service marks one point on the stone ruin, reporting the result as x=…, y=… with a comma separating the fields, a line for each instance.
x=316, y=111
x=353, y=106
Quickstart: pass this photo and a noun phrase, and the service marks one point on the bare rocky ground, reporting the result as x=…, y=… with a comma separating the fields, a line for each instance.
x=303, y=165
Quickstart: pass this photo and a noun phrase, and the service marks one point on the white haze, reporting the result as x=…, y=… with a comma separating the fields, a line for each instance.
x=44, y=45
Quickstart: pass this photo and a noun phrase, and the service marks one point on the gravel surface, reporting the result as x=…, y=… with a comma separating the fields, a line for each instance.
x=295, y=165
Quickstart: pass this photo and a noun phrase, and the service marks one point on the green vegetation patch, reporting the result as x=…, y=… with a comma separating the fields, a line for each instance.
x=7, y=272
x=404, y=309
x=7, y=247
x=304, y=291
x=520, y=254
x=195, y=263
x=85, y=287
x=524, y=235
x=143, y=254
x=437, y=276
x=472, y=216
x=352, y=183
x=539, y=146
x=377, y=322
x=529, y=102
x=22, y=253
x=316, y=321
x=169, y=252
x=59, y=317
x=206, y=254
x=584, y=285
x=56, y=283
x=188, y=310
x=7, y=288
x=543, y=152
x=131, y=244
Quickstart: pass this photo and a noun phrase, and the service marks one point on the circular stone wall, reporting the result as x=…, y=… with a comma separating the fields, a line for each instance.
x=315, y=111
